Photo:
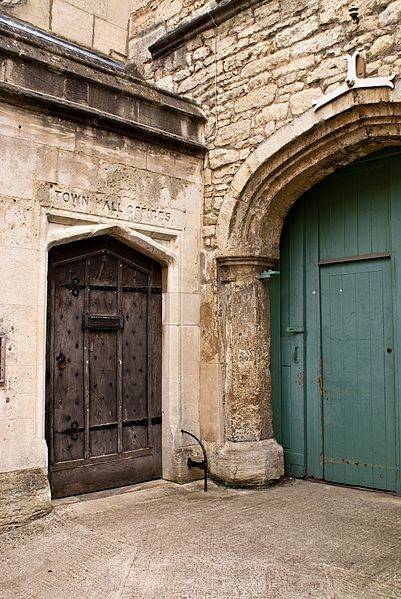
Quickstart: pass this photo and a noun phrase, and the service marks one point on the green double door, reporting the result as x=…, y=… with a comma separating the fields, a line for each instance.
x=335, y=312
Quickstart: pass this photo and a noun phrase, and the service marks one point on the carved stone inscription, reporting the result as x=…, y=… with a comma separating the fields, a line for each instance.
x=102, y=204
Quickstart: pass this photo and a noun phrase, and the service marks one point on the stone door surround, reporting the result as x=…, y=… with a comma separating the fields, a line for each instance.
x=291, y=161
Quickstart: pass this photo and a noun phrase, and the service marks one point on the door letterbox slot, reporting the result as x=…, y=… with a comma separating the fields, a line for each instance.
x=111, y=322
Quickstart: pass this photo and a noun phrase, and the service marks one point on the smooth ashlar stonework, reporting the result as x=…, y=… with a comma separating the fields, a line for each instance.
x=93, y=186
x=98, y=24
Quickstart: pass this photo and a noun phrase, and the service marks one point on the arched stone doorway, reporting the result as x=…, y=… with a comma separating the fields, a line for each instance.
x=249, y=229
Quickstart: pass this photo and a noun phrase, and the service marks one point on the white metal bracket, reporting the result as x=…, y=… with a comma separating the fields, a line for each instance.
x=267, y=274
x=354, y=81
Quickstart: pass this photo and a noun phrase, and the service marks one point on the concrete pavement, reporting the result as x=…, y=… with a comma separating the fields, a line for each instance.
x=160, y=540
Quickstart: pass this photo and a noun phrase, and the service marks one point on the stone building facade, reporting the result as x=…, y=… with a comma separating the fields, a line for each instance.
x=248, y=72
x=257, y=67
x=88, y=150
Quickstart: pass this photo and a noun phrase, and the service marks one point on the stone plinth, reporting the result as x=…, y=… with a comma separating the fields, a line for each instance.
x=246, y=464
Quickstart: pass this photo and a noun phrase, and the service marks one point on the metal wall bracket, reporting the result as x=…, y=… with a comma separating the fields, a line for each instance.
x=267, y=274
x=354, y=81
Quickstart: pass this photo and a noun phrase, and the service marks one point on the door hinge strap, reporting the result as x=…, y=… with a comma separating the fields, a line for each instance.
x=75, y=428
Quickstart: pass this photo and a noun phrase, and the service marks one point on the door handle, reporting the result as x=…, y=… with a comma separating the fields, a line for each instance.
x=295, y=330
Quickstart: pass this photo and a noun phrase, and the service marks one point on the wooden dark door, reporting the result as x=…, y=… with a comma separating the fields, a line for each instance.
x=103, y=367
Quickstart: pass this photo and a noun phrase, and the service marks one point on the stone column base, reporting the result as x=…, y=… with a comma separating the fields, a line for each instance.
x=246, y=463
x=24, y=495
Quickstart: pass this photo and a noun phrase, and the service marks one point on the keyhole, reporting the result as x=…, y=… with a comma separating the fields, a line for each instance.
x=389, y=350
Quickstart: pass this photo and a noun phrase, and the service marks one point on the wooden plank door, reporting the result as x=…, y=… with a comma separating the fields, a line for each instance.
x=359, y=416
x=104, y=367
x=287, y=318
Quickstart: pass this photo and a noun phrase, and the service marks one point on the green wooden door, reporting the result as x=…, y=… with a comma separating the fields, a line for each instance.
x=335, y=387
x=288, y=362
x=358, y=405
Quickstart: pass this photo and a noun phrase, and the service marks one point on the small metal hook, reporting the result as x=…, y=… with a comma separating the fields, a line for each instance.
x=353, y=12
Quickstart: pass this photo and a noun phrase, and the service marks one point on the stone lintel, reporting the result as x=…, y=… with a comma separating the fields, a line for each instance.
x=188, y=30
x=242, y=268
x=246, y=464
x=24, y=495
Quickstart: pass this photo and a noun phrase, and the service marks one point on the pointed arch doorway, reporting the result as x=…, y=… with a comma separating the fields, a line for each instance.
x=103, y=392
x=335, y=317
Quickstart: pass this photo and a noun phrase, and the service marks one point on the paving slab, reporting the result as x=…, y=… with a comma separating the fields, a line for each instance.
x=163, y=541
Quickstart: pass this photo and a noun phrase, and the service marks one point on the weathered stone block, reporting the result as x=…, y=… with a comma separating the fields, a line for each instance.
x=219, y=158
x=72, y=22
x=95, y=7
x=118, y=13
x=17, y=166
x=318, y=43
x=232, y=132
x=24, y=495
x=391, y=15
x=297, y=32
x=265, y=63
x=276, y=112
x=108, y=36
x=381, y=46
x=36, y=12
x=303, y=100
x=246, y=464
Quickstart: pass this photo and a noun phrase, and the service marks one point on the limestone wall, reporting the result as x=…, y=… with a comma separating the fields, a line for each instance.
x=260, y=69
x=98, y=24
